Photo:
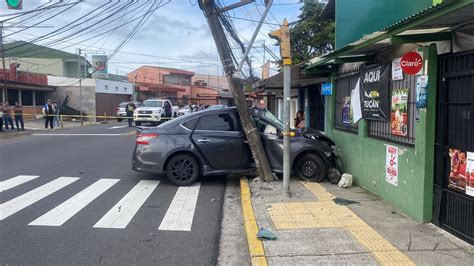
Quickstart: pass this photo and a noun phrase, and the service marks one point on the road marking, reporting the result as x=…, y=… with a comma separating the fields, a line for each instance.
x=179, y=216
x=116, y=127
x=78, y=134
x=122, y=213
x=14, y=205
x=16, y=181
x=130, y=133
x=256, y=249
x=67, y=209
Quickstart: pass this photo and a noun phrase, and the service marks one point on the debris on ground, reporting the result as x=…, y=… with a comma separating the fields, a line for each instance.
x=266, y=234
x=341, y=201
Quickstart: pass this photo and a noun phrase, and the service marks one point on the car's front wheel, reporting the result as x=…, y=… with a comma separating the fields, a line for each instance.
x=182, y=170
x=310, y=167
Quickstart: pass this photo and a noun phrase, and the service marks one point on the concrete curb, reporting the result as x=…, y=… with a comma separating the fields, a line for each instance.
x=257, y=252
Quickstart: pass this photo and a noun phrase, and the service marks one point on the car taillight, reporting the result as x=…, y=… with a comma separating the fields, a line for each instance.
x=144, y=139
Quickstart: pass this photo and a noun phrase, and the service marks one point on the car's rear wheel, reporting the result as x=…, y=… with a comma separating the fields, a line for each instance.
x=310, y=167
x=182, y=170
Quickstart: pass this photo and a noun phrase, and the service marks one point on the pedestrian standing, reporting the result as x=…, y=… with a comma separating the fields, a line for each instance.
x=18, y=109
x=7, y=116
x=130, y=108
x=1, y=119
x=299, y=120
x=48, y=112
x=57, y=112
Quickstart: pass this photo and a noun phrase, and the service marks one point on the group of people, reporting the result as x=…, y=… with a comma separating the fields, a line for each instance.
x=10, y=113
x=51, y=113
x=7, y=113
x=197, y=107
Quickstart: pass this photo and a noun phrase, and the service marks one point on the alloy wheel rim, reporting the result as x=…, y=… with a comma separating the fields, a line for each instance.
x=310, y=169
x=183, y=170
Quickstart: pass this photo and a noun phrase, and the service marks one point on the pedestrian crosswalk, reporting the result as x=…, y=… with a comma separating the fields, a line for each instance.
x=179, y=215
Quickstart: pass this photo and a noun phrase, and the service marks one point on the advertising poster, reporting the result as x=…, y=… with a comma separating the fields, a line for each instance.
x=346, y=106
x=399, y=114
x=397, y=73
x=99, y=66
x=355, y=111
x=374, y=95
x=421, y=91
x=461, y=175
x=391, y=165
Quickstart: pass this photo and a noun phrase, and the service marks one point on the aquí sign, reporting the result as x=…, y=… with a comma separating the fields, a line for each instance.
x=411, y=63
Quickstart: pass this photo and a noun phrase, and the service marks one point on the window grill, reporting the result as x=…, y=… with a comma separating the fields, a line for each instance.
x=342, y=91
x=382, y=129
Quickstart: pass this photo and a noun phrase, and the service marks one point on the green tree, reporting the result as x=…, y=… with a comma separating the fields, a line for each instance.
x=310, y=35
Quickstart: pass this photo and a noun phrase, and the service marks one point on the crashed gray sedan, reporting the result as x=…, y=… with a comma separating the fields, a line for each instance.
x=212, y=142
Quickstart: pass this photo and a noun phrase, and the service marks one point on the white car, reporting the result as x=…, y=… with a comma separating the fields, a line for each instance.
x=184, y=111
x=153, y=111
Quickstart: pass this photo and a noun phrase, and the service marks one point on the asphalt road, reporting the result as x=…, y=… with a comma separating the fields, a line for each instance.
x=105, y=159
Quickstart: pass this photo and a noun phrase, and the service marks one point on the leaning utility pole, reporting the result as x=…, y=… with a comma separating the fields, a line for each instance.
x=282, y=35
x=212, y=15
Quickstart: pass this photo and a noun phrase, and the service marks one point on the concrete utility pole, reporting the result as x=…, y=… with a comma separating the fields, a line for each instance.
x=3, y=63
x=283, y=37
x=80, y=83
x=223, y=48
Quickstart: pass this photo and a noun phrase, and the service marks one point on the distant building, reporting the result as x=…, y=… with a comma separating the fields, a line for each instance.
x=29, y=89
x=215, y=82
x=44, y=60
x=162, y=82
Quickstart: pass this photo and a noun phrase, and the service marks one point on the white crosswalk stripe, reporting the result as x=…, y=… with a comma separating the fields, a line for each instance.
x=16, y=181
x=63, y=212
x=14, y=205
x=122, y=213
x=180, y=214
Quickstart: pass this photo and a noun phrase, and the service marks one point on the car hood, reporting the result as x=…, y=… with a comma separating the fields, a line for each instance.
x=147, y=108
x=312, y=133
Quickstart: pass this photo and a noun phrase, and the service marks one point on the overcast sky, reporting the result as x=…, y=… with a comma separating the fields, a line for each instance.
x=176, y=35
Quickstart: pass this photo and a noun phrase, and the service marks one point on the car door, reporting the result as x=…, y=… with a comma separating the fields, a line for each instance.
x=272, y=142
x=219, y=139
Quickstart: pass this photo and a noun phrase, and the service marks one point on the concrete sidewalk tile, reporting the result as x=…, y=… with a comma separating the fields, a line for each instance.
x=333, y=260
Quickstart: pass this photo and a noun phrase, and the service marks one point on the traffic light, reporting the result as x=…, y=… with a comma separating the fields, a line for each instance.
x=15, y=4
x=283, y=37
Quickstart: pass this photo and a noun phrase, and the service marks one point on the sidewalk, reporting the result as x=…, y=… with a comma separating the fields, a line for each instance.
x=35, y=126
x=313, y=230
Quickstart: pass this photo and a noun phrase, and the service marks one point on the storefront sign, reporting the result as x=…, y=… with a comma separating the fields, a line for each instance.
x=326, y=89
x=99, y=66
x=397, y=73
x=374, y=93
x=399, y=115
x=461, y=176
x=421, y=91
x=391, y=165
x=411, y=63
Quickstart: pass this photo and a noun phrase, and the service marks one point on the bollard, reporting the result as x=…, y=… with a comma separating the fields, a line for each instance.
x=61, y=121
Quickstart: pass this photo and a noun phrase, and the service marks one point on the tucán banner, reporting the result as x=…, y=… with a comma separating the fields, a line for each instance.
x=374, y=96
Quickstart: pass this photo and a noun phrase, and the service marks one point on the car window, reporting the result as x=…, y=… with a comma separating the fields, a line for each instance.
x=265, y=127
x=190, y=124
x=153, y=103
x=219, y=122
x=123, y=104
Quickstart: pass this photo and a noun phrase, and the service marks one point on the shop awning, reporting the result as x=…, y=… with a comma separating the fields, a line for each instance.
x=27, y=86
x=430, y=25
x=298, y=79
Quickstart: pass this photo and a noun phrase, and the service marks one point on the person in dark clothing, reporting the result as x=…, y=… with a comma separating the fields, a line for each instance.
x=7, y=116
x=48, y=112
x=1, y=120
x=167, y=109
x=18, y=109
x=130, y=108
x=299, y=120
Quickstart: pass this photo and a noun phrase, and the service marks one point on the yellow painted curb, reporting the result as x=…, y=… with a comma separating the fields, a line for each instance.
x=257, y=252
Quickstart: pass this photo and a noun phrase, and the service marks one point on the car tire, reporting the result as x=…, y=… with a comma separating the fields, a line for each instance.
x=138, y=124
x=311, y=167
x=182, y=170
x=119, y=120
